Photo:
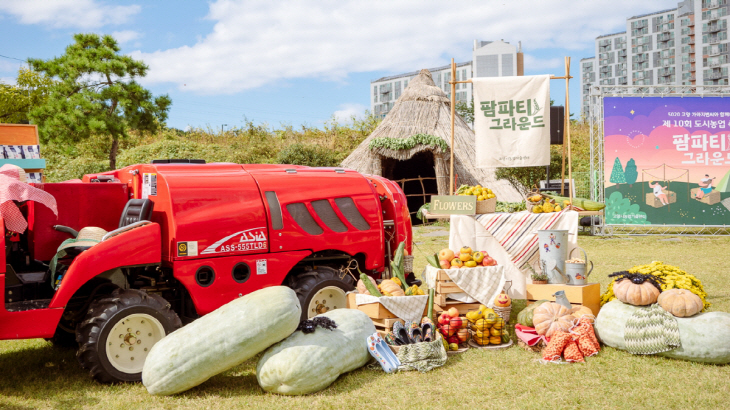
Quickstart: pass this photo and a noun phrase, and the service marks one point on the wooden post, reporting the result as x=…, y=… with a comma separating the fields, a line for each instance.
x=567, y=131
x=453, y=113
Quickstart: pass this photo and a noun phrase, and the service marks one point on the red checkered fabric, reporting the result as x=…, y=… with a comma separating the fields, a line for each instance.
x=11, y=189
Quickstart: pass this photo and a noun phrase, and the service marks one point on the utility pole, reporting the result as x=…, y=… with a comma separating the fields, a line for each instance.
x=223, y=125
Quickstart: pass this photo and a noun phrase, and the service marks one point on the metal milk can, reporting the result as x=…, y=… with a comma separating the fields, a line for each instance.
x=553, y=245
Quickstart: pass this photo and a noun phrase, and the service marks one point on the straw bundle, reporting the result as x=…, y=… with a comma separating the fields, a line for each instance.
x=423, y=108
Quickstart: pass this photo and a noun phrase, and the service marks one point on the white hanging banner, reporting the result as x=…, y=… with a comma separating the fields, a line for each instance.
x=512, y=121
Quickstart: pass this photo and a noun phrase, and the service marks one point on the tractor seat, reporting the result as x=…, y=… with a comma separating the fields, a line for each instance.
x=135, y=210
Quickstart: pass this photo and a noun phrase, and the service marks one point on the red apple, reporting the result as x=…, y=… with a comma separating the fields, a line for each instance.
x=446, y=254
x=454, y=339
x=444, y=318
x=447, y=330
x=453, y=312
x=455, y=322
x=463, y=335
x=489, y=261
x=444, y=264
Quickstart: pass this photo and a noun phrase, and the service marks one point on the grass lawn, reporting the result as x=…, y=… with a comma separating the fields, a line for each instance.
x=33, y=374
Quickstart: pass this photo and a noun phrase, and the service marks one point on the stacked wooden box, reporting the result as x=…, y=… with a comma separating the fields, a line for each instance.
x=382, y=318
x=444, y=287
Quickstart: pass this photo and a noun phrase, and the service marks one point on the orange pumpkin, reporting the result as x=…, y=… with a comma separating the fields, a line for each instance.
x=502, y=300
x=640, y=294
x=579, y=311
x=680, y=302
x=551, y=317
x=392, y=288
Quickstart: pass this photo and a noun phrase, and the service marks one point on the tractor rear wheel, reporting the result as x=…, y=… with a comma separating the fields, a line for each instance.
x=119, y=331
x=321, y=290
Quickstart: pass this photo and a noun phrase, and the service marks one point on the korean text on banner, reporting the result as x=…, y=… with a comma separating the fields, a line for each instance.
x=512, y=121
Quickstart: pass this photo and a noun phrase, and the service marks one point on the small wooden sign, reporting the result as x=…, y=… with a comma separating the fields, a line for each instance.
x=453, y=204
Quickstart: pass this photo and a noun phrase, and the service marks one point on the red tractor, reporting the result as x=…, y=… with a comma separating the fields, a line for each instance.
x=184, y=238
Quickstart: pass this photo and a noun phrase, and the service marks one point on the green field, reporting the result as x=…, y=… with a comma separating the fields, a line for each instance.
x=37, y=375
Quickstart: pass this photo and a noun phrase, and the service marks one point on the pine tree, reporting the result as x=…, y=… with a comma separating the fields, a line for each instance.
x=630, y=173
x=617, y=174
x=95, y=93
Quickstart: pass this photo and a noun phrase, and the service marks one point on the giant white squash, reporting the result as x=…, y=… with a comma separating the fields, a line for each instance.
x=705, y=337
x=306, y=363
x=221, y=340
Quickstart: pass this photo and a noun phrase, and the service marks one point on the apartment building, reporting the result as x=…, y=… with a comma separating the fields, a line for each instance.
x=489, y=59
x=686, y=45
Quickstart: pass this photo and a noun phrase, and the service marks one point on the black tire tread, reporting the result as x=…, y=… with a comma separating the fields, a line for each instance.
x=100, y=312
x=304, y=283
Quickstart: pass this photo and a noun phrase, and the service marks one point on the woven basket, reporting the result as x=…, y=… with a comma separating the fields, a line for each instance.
x=503, y=312
x=408, y=263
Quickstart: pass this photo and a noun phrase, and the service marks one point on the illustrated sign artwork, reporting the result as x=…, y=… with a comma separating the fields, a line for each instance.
x=512, y=121
x=667, y=160
x=243, y=241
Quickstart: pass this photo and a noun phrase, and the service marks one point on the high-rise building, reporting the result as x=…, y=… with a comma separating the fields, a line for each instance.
x=489, y=59
x=686, y=45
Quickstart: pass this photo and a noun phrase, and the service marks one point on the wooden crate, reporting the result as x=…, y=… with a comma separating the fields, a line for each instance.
x=373, y=310
x=384, y=326
x=710, y=199
x=586, y=295
x=653, y=201
x=444, y=287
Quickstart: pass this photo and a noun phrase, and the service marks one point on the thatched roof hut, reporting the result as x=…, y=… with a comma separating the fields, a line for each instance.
x=414, y=141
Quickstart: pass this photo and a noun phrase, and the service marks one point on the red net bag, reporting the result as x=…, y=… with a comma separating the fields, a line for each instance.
x=555, y=348
x=572, y=353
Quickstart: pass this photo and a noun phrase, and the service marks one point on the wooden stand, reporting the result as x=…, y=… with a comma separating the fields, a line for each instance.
x=710, y=199
x=22, y=134
x=586, y=295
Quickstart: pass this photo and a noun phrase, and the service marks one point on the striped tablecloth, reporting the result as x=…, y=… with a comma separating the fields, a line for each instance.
x=511, y=239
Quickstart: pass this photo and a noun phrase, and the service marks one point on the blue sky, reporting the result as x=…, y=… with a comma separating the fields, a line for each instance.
x=301, y=62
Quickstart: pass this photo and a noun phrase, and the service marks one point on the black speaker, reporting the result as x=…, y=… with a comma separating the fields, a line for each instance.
x=557, y=124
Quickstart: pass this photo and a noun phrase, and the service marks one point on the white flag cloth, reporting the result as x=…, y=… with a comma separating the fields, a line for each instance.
x=512, y=121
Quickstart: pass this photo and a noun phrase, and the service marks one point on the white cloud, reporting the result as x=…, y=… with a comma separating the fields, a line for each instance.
x=83, y=14
x=262, y=42
x=125, y=36
x=544, y=64
x=346, y=111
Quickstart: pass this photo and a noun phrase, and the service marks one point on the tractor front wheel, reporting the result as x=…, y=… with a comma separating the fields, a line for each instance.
x=321, y=290
x=119, y=331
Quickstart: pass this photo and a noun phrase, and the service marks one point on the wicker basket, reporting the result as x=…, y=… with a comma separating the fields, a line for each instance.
x=408, y=263
x=487, y=206
x=503, y=312
x=528, y=204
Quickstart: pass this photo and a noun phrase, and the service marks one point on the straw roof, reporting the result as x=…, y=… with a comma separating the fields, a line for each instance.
x=423, y=108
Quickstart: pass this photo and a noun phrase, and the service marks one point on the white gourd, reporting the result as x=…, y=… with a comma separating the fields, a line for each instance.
x=704, y=337
x=305, y=363
x=221, y=340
